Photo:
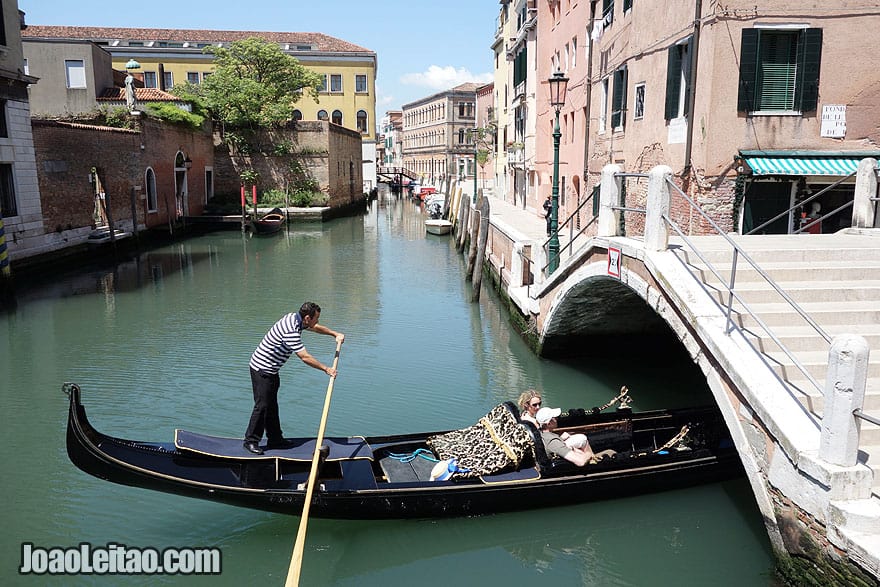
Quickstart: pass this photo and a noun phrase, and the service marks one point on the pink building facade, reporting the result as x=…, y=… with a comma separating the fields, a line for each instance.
x=756, y=107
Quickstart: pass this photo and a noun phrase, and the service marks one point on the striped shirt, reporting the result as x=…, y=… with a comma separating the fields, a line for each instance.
x=282, y=340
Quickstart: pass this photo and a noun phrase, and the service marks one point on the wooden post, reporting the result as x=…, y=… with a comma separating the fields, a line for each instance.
x=465, y=208
x=477, y=275
x=472, y=249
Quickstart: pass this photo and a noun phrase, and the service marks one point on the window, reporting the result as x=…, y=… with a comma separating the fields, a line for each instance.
x=3, y=28
x=192, y=77
x=574, y=52
x=322, y=115
x=362, y=121
x=150, y=182
x=678, y=79
x=360, y=84
x=76, y=73
x=779, y=70
x=4, y=124
x=461, y=136
x=639, y=107
x=297, y=115
x=168, y=79
x=337, y=117
x=25, y=68
x=627, y=4
x=618, y=100
x=150, y=79
x=608, y=11
x=7, y=191
x=323, y=87
x=335, y=82
x=205, y=75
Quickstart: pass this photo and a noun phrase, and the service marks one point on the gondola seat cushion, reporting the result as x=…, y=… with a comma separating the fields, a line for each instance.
x=498, y=441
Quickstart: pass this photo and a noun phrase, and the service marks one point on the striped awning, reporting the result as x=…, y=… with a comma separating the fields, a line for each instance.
x=802, y=165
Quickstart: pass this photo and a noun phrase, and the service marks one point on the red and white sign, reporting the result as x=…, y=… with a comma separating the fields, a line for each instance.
x=614, y=262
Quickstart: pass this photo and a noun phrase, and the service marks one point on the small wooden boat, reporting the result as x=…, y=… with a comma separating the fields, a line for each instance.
x=269, y=223
x=390, y=476
x=438, y=226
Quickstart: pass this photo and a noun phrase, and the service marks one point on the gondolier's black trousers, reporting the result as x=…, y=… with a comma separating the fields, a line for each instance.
x=265, y=414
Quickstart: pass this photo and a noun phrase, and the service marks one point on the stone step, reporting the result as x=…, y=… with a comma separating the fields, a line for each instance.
x=825, y=314
x=792, y=272
x=815, y=362
x=805, y=292
x=721, y=252
x=805, y=338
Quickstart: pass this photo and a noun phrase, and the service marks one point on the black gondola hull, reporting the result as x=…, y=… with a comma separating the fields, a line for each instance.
x=356, y=489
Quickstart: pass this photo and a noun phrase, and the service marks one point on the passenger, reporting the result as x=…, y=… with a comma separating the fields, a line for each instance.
x=574, y=448
x=529, y=404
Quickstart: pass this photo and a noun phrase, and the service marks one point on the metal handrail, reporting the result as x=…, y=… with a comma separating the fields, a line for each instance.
x=858, y=413
x=738, y=251
x=571, y=235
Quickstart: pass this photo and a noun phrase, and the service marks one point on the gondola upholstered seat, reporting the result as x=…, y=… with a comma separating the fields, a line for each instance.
x=497, y=442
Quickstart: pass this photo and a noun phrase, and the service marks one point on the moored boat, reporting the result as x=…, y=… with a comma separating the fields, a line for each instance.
x=390, y=476
x=269, y=222
x=438, y=226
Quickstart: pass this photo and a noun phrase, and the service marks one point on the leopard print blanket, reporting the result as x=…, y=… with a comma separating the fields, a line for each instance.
x=496, y=442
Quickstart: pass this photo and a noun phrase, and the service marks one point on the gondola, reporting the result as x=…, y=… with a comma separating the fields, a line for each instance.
x=385, y=477
x=269, y=223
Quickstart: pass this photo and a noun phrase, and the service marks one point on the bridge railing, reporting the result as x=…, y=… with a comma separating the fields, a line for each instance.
x=847, y=353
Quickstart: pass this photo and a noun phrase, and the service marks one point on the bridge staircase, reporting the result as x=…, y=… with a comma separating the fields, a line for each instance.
x=834, y=279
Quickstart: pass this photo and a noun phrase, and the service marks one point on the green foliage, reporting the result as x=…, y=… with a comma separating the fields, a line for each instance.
x=282, y=148
x=254, y=84
x=300, y=198
x=175, y=115
x=249, y=177
x=117, y=117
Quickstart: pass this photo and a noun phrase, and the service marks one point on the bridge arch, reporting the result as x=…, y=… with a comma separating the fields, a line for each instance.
x=589, y=303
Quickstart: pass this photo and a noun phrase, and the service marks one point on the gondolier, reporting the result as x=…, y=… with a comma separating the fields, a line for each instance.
x=282, y=340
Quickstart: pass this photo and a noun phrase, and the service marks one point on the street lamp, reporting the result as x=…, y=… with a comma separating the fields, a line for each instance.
x=558, y=86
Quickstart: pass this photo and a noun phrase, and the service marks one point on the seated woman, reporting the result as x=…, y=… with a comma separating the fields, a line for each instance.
x=573, y=448
x=529, y=404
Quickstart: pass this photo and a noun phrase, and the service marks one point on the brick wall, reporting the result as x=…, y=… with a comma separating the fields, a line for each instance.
x=329, y=154
x=67, y=152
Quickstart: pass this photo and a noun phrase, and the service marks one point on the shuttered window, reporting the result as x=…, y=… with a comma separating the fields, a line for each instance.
x=678, y=75
x=618, y=100
x=779, y=70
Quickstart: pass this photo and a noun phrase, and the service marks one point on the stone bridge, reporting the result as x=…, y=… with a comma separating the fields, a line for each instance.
x=783, y=341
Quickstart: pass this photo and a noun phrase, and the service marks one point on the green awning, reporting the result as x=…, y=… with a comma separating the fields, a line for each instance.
x=802, y=165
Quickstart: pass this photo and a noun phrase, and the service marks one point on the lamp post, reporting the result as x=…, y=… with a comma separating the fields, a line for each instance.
x=558, y=87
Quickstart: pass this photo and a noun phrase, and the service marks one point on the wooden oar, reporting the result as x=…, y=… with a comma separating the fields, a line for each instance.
x=296, y=558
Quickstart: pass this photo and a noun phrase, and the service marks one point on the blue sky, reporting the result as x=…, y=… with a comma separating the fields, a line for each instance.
x=423, y=46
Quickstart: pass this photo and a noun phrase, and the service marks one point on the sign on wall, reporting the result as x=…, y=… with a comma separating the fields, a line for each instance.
x=613, y=262
x=833, y=121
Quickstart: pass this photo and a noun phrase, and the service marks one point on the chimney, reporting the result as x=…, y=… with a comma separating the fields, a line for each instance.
x=162, y=77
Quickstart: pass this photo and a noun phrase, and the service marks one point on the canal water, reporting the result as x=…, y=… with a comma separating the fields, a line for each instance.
x=162, y=342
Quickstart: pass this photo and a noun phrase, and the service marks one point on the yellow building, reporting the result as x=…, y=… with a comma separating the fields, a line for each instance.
x=170, y=56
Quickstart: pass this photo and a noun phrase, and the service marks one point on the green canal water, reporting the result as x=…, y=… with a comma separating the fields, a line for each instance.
x=162, y=342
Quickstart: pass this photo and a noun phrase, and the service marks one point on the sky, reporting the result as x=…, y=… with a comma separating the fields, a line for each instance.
x=422, y=46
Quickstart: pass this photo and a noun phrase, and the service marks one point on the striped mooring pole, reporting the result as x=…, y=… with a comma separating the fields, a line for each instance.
x=5, y=269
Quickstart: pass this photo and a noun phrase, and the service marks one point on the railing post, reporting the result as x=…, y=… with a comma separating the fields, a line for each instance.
x=609, y=197
x=844, y=393
x=656, y=231
x=866, y=188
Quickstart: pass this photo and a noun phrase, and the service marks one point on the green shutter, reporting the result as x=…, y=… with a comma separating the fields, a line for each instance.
x=809, y=60
x=777, y=70
x=748, y=65
x=618, y=102
x=673, y=76
x=627, y=4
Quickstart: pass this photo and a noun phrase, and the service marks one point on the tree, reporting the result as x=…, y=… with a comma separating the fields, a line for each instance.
x=254, y=84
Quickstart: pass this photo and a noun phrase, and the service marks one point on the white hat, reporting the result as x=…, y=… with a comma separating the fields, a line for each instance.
x=544, y=415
